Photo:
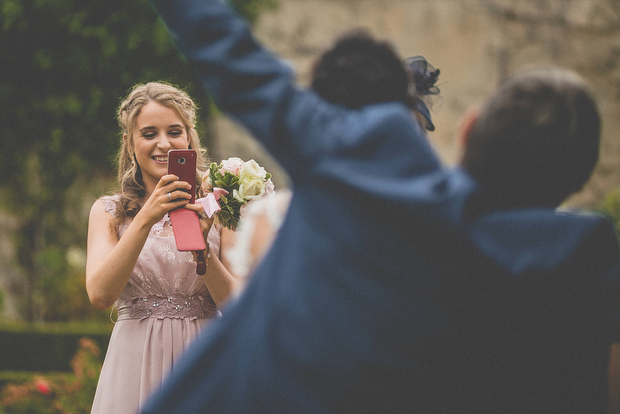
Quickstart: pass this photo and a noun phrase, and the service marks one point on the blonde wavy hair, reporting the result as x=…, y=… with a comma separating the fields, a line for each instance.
x=132, y=188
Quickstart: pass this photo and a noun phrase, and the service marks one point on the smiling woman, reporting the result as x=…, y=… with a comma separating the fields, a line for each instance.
x=132, y=259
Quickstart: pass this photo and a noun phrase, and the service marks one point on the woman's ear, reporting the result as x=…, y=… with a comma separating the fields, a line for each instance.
x=128, y=142
x=466, y=124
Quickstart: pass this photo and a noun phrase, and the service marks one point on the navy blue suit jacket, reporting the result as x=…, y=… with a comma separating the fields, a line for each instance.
x=383, y=293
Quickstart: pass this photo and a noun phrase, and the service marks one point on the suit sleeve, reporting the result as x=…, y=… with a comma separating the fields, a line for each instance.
x=247, y=81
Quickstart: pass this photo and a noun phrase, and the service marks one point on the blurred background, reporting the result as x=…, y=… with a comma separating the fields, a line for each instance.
x=65, y=65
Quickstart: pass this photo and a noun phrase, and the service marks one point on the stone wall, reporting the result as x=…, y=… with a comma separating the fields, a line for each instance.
x=475, y=43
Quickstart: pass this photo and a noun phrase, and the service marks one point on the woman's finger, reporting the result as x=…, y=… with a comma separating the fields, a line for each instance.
x=167, y=179
x=177, y=195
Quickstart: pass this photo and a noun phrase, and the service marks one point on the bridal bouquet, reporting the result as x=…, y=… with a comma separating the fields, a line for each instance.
x=230, y=186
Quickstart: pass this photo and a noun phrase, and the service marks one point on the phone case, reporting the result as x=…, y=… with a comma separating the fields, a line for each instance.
x=182, y=163
x=185, y=223
x=186, y=229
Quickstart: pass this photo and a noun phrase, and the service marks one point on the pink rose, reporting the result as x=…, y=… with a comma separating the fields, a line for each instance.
x=269, y=187
x=42, y=386
x=231, y=165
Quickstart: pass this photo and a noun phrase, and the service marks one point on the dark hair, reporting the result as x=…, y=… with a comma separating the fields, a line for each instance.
x=536, y=140
x=360, y=70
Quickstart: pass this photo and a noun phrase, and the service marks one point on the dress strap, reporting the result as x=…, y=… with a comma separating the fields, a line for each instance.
x=110, y=203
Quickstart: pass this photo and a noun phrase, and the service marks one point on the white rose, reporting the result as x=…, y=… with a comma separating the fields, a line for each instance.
x=237, y=196
x=251, y=189
x=251, y=169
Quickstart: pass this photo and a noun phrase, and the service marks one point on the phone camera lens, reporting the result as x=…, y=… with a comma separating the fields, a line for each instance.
x=181, y=160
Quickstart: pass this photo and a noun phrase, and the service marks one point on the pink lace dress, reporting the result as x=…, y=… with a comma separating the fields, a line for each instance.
x=163, y=308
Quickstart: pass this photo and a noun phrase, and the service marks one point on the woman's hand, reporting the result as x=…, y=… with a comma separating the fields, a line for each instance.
x=167, y=195
x=205, y=226
x=205, y=221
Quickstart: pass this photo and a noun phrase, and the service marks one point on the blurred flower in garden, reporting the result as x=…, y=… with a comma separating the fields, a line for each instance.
x=58, y=393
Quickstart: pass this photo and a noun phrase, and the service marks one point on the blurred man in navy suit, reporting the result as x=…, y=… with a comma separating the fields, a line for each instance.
x=396, y=285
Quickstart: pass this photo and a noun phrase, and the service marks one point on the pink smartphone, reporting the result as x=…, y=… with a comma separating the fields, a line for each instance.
x=185, y=223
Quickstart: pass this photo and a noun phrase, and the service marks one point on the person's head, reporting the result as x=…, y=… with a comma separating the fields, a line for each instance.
x=129, y=112
x=535, y=141
x=359, y=70
x=154, y=118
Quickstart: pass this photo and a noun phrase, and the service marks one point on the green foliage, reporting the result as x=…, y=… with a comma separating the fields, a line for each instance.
x=49, y=347
x=610, y=206
x=82, y=328
x=65, y=66
x=230, y=211
x=64, y=286
x=56, y=394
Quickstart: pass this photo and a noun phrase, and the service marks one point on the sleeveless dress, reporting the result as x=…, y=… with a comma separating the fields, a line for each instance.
x=163, y=308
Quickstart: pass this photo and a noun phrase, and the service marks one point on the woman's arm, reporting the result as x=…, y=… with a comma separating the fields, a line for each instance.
x=218, y=277
x=248, y=82
x=110, y=261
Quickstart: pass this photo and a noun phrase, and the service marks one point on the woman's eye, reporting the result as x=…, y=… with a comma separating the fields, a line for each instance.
x=175, y=133
x=148, y=135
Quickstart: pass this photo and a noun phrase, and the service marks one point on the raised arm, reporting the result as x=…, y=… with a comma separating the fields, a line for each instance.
x=309, y=137
x=247, y=81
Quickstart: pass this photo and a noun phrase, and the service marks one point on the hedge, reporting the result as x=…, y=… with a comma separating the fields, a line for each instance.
x=47, y=347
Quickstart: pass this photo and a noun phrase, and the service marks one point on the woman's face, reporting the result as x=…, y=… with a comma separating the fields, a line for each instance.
x=158, y=129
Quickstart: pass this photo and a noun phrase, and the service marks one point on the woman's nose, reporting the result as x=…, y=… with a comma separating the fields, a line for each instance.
x=163, y=142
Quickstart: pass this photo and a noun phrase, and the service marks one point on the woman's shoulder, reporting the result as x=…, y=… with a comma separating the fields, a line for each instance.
x=109, y=202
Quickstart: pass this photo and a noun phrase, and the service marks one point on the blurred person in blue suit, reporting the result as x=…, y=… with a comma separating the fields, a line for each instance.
x=395, y=284
x=356, y=71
